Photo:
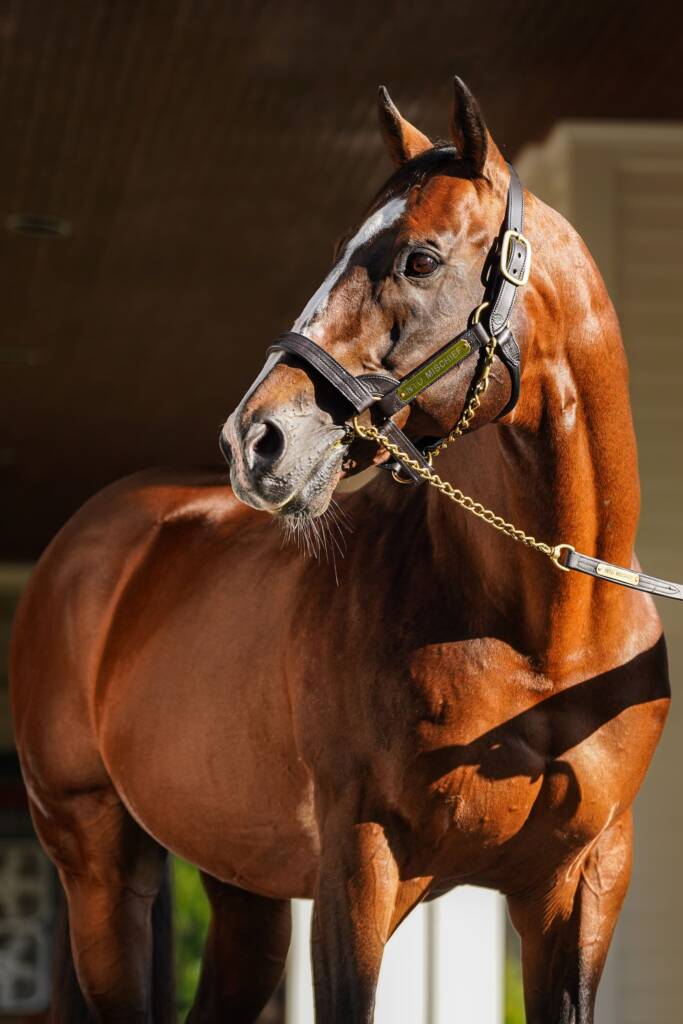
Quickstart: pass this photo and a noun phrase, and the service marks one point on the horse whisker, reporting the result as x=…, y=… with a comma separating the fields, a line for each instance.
x=318, y=536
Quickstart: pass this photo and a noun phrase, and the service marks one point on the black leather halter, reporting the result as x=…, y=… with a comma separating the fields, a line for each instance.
x=508, y=268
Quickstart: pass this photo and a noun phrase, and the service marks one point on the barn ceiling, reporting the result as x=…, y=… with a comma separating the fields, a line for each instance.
x=200, y=158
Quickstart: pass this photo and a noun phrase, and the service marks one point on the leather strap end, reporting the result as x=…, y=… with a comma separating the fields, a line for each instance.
x=508, y=351
x=624, y=577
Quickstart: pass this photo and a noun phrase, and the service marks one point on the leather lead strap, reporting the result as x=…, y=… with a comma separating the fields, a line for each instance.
x=625, y=577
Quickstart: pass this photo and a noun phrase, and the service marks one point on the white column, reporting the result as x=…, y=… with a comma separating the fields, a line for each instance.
x=467, y=956
x=299, y=991
x=402, y=992
x=403, y=983
x=444, y=964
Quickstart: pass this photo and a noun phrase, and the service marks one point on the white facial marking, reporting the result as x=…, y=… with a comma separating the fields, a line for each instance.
x=379, y=221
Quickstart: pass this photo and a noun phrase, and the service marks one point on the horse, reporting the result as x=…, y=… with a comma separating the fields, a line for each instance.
x=443, y=707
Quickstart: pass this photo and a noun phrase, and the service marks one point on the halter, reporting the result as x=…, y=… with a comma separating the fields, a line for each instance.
x=508, y=263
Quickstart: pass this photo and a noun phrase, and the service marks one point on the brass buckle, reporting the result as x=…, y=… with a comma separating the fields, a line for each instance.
x=517, y=236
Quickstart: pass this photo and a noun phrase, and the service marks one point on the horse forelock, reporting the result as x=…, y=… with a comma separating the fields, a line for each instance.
x=442, y=159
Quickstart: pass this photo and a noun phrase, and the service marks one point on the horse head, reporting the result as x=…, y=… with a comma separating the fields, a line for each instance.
x=403, y=283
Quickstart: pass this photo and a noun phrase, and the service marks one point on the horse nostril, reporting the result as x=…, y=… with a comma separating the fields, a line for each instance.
x=271, y=443
x=264, y=443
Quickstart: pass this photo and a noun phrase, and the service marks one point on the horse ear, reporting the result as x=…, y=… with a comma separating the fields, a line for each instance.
x=402, y=140
x=468, y=128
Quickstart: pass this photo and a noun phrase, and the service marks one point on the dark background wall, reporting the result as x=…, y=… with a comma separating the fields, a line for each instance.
x=205, y=155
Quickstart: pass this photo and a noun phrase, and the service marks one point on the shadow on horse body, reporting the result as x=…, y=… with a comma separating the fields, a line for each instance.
x=452, y=709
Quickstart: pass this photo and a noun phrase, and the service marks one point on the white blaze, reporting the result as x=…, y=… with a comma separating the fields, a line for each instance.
x=379, y=221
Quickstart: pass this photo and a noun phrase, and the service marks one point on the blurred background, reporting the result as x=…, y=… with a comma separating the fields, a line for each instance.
x=175, y=173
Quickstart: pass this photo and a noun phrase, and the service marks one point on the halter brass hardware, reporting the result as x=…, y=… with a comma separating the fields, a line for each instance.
x=516, y=236
x=430, y=373
x=556, y=555
x=476, y=316
x=396, y=474
x=364, y=433
x=616, y=572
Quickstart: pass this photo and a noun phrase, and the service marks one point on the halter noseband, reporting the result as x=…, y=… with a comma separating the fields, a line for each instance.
x=510, y=262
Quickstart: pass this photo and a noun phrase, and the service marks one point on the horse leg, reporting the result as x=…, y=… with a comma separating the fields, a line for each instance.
x=566, y=932
x=111, y=872
x=244, y=956
x=356, y=896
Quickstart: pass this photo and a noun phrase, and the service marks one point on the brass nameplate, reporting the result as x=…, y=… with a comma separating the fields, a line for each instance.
x=615, y=572
x=441, y=364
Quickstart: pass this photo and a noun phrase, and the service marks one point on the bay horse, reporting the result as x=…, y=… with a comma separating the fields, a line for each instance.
x=451, y=709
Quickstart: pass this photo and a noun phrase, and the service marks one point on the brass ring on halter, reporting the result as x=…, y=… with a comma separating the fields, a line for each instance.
x=476, y=316
x=399, y=479
x=557, y=554
x=359, y=431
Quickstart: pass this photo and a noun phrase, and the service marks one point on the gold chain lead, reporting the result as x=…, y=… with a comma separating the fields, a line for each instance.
x=470, y=409
x=454, y=494
x=468, y=413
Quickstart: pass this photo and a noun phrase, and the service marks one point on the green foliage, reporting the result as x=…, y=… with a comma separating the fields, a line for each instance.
x=514, y=995
x=191, y=918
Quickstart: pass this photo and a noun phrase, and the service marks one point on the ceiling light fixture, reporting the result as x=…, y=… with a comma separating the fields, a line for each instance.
x=38, y=225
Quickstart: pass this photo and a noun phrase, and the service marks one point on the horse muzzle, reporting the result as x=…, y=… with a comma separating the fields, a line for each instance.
x=284, y=464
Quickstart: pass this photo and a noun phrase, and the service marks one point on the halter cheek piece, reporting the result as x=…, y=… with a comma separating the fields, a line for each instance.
x=510, y=262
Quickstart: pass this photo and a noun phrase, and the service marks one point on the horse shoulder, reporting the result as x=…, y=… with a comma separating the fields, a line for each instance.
x=63, y=620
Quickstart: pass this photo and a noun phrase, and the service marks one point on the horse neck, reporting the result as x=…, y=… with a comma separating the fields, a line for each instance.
x=563, y=468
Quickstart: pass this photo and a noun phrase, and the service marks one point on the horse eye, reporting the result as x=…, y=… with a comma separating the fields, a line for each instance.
x=420, y=264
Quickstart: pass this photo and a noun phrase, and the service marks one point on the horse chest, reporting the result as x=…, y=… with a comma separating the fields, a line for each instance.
x=479, y=764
